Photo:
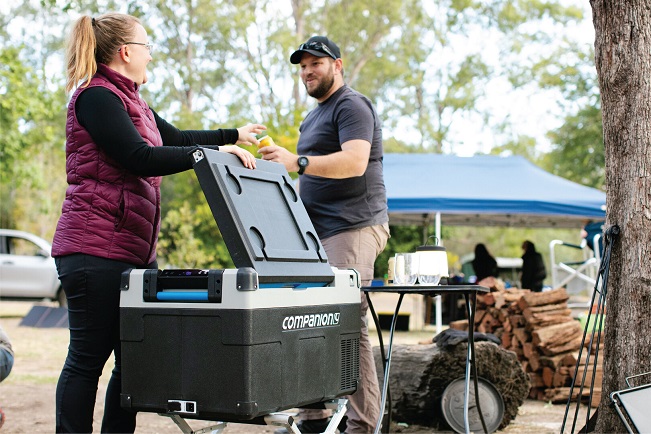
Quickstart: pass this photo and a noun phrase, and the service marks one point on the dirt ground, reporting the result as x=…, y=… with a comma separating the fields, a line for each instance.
x=27, y=395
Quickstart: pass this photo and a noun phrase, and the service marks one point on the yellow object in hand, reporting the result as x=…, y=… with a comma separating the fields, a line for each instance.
x=266, y=141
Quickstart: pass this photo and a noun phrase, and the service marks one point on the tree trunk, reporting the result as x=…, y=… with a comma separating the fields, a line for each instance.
x=623, y=61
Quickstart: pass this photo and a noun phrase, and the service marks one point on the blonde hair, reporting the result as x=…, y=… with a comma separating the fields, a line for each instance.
x=93, y=41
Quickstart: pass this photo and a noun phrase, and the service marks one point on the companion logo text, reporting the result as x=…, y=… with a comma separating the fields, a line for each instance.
x=310, y=321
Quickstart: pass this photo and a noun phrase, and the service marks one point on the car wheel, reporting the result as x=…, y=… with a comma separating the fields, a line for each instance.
x=61, y=298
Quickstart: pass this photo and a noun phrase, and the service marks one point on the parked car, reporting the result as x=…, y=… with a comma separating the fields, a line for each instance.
x=27, y=270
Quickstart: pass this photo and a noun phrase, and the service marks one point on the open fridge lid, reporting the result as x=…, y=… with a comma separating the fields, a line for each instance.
x=262, y=219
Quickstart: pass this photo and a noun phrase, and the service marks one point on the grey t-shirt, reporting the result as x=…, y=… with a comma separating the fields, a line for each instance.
x=337, y=205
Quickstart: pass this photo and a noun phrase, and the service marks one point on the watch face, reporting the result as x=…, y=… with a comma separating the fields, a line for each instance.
x=302, y=164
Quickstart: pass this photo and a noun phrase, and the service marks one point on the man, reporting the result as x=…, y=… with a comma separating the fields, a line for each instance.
x=341, y=184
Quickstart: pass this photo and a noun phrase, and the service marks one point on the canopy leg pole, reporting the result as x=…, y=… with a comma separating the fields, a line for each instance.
x=437, y=227
x=439, y=315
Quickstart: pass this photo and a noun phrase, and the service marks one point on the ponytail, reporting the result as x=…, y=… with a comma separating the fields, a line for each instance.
x=93, y=41
x=80, y=55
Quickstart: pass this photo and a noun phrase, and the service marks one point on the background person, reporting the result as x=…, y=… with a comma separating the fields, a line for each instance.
x=589, y=231
x=117, y=149
x=484, y=263
x=6, y=355
x=6, y=363
x=342, y=187
x=533, y=268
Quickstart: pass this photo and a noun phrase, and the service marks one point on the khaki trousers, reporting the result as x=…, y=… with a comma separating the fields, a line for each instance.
x=358, y=249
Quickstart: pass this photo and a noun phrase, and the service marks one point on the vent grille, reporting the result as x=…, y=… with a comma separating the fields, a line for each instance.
x=349, y=364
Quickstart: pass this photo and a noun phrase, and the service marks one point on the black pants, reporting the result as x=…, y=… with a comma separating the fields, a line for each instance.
x=92, y=287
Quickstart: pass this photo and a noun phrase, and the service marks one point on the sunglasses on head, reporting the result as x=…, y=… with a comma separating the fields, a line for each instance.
x=317, y=46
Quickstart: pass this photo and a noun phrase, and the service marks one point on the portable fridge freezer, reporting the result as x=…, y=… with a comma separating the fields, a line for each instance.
x=281, y=330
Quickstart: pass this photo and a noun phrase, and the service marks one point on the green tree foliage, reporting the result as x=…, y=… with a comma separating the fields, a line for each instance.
x=578, y=152
x=31, y=146
x=185, y=243
x=577, y=146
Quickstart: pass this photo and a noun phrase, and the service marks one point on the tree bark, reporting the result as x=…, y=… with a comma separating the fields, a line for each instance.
x=623, y=62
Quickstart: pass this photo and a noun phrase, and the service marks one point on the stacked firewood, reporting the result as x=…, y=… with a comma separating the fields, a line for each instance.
x=540, y=329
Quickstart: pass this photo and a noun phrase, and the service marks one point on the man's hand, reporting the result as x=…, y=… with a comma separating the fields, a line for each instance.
x=280, y=155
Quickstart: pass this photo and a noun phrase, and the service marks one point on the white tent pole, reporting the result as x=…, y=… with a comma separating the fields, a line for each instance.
x=437, y=227
x=439, y=316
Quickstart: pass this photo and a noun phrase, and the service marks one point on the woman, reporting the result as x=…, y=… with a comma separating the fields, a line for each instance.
x=484, y=264
x=533, y=268
x=117, y=149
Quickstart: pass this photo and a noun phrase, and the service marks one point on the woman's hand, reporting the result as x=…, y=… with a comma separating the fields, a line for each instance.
x=245, y=156
x=247, y=134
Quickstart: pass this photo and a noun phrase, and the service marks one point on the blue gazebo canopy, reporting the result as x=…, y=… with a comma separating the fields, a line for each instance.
x=485, y=191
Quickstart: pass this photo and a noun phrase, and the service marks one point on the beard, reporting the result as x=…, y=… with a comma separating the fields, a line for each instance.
x=322, y=89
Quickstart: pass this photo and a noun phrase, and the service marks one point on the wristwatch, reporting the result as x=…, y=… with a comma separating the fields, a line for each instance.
x=303, y=162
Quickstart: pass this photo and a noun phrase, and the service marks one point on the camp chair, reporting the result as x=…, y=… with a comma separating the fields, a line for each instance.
x=577, y=277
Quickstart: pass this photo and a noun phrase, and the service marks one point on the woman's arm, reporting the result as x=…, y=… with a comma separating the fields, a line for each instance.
x=103, y=115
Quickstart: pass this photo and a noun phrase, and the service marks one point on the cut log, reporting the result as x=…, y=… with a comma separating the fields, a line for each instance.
x=528, y=349
x=553, y=350
x=514, y=294
x=598, y=377
x=554, y=362
x=506, y=339
x=570, y=358
x=500, y=299
x=536, y=380
x=540, y=320
x=531, y=314
x=561, y=378
x=420, y=374
x=506, y=324
x=546, y=308
x=557, y=334
x=516, y=321
x=534, y=362
x=487, y=299
x=461, y=324
x=522, y=335
x=488, y=323
x=561, y=394
x=540, y=298
x=547, y=375
x=554, y=379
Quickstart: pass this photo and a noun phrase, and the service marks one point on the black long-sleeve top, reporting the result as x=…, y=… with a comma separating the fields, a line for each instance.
x=103, y=115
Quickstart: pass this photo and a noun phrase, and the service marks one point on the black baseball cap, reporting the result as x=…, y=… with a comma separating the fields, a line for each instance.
x=319, y=46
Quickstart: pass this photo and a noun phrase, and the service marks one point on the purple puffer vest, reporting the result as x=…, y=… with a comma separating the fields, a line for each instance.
x=109, y=212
